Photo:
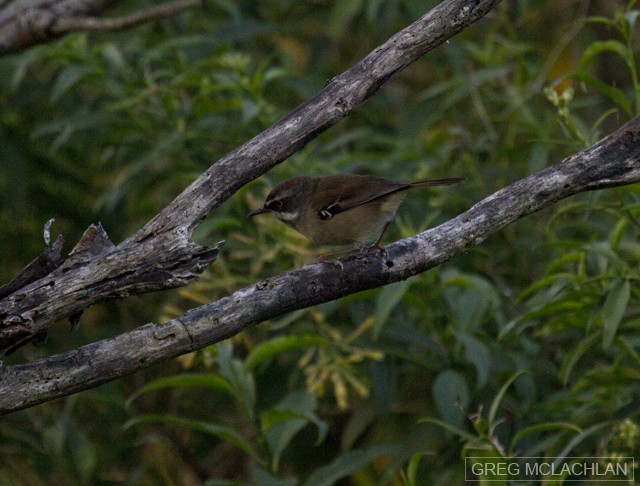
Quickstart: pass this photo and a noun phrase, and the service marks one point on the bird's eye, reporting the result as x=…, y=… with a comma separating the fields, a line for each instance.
x=277, y=204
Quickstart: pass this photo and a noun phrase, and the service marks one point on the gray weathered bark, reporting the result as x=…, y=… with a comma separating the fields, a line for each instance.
x=614, y=161
x=161, y=255
x=25, y=23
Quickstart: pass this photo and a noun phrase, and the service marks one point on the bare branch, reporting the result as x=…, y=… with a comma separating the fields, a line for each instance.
x=342, y=95
x=97, y=270
x=614, y=161
x=25, y=23
x=66, y=25
x=161, y=255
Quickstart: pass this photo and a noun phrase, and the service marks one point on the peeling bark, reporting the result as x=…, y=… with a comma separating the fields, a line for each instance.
x=612, y=162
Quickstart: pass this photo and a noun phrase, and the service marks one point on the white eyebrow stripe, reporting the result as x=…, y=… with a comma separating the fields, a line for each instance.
x=286, y=215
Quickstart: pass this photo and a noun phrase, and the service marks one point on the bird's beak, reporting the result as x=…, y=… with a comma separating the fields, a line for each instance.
x=257, y=211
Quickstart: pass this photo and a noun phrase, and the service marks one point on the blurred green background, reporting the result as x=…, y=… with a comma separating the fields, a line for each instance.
x=527, y=345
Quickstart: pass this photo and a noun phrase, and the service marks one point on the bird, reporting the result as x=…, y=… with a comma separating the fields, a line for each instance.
x=341, y=209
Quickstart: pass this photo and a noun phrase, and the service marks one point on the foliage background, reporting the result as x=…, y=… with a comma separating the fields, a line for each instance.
x=526, y=345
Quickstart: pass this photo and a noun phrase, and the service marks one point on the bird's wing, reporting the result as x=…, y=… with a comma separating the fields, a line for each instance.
x=355, y=192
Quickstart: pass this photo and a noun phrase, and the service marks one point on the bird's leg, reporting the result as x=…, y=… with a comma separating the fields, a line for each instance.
x=328, y=257
x=376, y=246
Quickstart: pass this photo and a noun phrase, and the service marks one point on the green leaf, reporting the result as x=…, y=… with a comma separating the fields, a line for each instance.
x=22, y=65
x=615, y=94
x=267, y=350
x=69, y=125
x=187, y=380
x=230, y=8
x=574, y=356
x=347, y=464
x=613, y=310
x=584, y=434
x=265, y=478
x=628, y=347
x=387, y=300
x=239, y=376
x=603, y=47
x=451, y=428
x=82, y=452
x=250, y=110
x=358, y=424
x=285, y=420
x=66, y=80
x=273, y=74
x=222, y=432
x=113, y=55
x=631, y=17
x=534, y=429
x=617, y=233
x=596, y=19
x=341, y=14
x=451, y=393
x=469, y=297
x=477, y=353
x=412, y=468
x=498, y=398
x=555, y=282
x=280, y=427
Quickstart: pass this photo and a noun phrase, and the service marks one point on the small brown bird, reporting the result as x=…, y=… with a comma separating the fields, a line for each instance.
x=341, y=209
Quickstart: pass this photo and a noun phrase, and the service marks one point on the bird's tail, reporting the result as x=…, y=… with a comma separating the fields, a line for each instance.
x=438, y=182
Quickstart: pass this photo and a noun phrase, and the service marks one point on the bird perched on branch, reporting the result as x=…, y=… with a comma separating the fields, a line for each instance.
x=341, y=209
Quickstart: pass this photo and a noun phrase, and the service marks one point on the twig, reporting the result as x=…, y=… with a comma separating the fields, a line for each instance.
x=66, y=25
x=25, y=23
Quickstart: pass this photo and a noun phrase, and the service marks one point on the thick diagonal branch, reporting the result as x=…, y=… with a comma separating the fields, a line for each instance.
x=73, y=24
x=97, y=270
x=163, y=248
x=335, y=101
x=25, y=23
x=614, y=161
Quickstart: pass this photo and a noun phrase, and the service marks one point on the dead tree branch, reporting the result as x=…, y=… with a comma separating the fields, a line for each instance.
x=25, y=23
x=66, y=25
x=162, y=255
x=612, y=162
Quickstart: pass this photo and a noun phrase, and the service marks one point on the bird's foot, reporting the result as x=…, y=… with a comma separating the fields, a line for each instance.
x=375, y=248
x=327, y=258
x=330, y=257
